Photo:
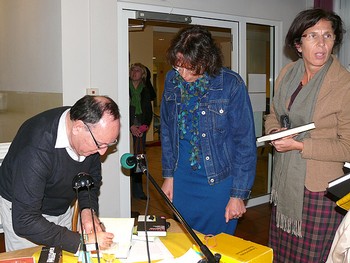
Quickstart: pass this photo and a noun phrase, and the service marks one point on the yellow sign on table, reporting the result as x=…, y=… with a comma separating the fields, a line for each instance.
x=237, y=250
x=232, y=249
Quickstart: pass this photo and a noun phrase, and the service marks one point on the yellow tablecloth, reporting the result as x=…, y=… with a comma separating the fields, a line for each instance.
x=176, y=243
x=231, y=248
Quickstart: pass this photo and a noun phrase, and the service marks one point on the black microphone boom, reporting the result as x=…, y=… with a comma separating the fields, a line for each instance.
x=210, y=258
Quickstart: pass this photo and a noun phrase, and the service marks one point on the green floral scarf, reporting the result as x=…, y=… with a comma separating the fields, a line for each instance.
x=188, y=118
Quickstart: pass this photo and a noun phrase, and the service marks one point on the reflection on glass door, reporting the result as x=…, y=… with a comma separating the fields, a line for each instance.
x=260, y=54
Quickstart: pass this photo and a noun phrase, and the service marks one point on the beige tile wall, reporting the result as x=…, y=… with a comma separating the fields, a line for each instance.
x=16, y=107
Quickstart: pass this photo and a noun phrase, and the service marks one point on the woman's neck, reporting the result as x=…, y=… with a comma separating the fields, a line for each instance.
x=136, y=83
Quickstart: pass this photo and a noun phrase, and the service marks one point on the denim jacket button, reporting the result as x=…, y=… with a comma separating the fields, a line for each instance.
x=212, y=180
x=207, y=158
x=204, y=135
x=221, y=111
x=203, y=112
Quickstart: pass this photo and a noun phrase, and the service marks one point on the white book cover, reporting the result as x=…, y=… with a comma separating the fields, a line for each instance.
x=339, y=180
x=284, y=133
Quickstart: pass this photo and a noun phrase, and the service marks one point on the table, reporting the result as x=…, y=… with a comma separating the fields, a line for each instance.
x=178, y=242
x=174, y=229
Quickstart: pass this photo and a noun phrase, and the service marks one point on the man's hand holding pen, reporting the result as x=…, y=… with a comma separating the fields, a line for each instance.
x=102, y=226
x=104, y=239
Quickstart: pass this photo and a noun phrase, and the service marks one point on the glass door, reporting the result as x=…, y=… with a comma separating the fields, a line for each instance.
x=260, y=76
x=249, y=47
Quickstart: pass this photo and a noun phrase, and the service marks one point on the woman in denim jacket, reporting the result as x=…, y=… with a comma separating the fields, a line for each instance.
x=207, y=134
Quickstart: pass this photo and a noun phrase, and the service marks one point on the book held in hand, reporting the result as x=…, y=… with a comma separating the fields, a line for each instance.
x=155, y=225
x=284, y=133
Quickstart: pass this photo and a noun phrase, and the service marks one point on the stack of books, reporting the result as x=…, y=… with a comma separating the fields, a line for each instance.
x=155, y=226
x=339, y=191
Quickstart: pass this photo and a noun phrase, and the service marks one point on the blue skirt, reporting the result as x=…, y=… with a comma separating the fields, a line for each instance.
x=201, y=205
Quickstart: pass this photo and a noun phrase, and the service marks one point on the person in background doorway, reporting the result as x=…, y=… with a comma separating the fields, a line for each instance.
x=315, y=88
x=148, y=84
x=141, y=114
x=207, y=135
x=36, y=175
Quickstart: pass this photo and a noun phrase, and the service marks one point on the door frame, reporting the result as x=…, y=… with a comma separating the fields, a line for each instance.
x=126, y=11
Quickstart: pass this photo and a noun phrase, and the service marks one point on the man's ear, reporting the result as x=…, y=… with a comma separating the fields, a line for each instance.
x=78, y=126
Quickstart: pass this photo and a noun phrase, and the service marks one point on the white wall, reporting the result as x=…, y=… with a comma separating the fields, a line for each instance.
x=89, y=59
x=78, y=49
x=30, y=46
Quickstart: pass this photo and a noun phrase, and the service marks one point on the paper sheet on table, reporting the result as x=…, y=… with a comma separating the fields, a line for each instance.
x=191, y=256
x=138, y=251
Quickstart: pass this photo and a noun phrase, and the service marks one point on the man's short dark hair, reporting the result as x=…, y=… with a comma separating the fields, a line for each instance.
x=90, y=109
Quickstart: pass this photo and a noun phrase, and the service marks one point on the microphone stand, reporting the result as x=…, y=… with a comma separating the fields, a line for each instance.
x=210, y=258
x=82, y=232
x=80, y=181
x=94, y=227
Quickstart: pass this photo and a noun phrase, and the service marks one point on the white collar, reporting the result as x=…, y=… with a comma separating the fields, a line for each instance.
x=62, y=140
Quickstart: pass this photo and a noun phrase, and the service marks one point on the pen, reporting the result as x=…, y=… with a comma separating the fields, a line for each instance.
x=102, y=226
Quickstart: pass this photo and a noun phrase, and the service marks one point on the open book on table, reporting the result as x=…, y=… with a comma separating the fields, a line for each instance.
x=122, y=228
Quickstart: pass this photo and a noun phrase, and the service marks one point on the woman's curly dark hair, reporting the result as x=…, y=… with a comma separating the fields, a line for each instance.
x=198, y=51
x=308, y=18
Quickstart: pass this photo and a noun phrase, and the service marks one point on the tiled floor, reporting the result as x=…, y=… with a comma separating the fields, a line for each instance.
x=253, y=226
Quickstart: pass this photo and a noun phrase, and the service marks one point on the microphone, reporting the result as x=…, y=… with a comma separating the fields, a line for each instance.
x=128, y=160
x=82, y=180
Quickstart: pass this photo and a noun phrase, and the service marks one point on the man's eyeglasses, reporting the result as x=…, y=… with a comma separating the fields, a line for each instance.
x=314, y=37
x=100, y=145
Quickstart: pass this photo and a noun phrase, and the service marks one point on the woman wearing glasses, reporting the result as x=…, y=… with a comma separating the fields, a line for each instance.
x=315, y=88
x=208, y=137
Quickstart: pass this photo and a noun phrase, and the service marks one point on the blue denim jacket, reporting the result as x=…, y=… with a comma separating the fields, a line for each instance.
x=226, y=128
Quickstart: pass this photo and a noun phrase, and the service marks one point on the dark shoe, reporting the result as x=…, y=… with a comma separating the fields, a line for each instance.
x=137, y=191
x=141, y=196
